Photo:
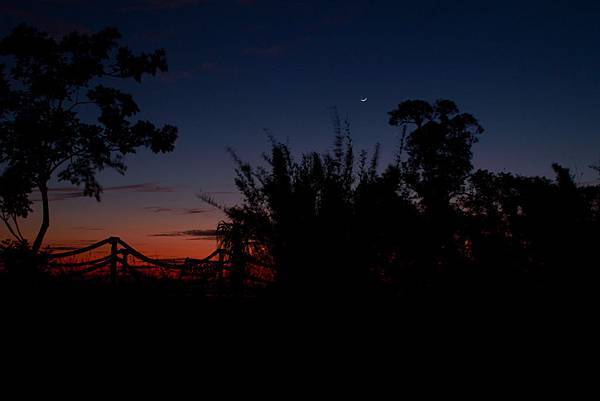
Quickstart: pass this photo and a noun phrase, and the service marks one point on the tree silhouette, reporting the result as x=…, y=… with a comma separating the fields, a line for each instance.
x=438, y=149
x=42, y=131
x=14, y=202
x=297, y=216
x=533, y=228
x=334, y=225
x=437, y=139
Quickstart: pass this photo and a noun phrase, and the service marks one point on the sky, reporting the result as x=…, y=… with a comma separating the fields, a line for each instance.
x=528, y=70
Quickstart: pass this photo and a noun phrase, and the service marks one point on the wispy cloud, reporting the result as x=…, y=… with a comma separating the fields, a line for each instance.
x=64, y=193
x=195, y=211
x=158, y=209
x=183, y=210
x=87, y=228
x=61, y=248
x=146, y=187
x=194, y=234
x=62, y=196
x=143, y=187
x=70, y=246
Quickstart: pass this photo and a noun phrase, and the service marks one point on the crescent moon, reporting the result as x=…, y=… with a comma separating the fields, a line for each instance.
x=364, y=100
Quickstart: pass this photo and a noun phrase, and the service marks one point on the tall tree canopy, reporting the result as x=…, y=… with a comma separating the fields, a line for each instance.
x=438, y=149
x=43, y=89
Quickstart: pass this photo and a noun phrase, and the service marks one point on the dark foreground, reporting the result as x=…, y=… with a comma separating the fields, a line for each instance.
x=175, y=333
x=449, y=295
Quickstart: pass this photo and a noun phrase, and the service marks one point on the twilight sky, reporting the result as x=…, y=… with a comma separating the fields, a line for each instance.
x=528, y=70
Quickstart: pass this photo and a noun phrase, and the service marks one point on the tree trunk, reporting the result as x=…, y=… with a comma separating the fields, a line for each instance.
x=45, y=219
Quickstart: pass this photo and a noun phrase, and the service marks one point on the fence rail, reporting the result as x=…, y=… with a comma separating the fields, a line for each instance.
x=121, y=252
x=215, y=269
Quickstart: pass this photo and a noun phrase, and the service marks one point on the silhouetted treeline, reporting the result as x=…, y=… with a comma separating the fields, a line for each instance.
x=336, y=224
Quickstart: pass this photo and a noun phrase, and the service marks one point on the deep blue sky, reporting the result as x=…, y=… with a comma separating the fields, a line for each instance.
x=530, y=71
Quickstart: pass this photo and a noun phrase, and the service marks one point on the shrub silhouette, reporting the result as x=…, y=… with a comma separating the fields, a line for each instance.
x=330, y=223
x=336, y=225
x=20, y=261
x=531, y=225
x=299, y=215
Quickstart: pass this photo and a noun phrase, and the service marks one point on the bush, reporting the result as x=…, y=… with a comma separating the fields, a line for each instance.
x=20, y=261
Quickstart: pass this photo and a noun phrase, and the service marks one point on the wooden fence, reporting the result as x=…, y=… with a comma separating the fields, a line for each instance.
x=124, y=260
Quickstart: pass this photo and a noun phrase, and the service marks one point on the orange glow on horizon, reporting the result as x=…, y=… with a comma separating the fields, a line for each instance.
x=77, y=223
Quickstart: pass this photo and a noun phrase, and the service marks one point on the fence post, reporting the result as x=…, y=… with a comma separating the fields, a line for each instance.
x=125, y=267
x=220, y=273
x=113, y=263
x=186, y=266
